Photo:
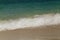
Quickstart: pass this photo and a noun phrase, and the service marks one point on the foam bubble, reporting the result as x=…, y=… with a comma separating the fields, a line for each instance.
x=37, y=20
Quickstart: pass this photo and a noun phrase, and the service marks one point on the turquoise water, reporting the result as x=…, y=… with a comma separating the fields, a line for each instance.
x=27, y=9
x=19, y=11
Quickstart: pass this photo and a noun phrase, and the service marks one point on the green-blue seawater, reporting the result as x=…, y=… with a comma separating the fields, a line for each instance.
x=26, y=9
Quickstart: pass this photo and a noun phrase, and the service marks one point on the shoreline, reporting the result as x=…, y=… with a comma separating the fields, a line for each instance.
x=48, y=33
x=35, y=21
x=44, y=32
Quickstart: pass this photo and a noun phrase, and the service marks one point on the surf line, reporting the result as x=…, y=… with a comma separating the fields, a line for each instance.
x=35, y=21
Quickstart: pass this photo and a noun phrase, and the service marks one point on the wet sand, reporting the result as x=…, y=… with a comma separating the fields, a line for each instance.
x=46, y=33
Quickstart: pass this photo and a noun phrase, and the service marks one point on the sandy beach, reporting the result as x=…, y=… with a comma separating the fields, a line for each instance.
x=51, y=32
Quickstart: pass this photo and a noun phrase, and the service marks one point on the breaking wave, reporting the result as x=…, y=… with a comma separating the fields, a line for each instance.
x=35, y=21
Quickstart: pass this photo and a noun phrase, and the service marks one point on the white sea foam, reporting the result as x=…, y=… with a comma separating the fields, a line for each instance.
x=37, y=20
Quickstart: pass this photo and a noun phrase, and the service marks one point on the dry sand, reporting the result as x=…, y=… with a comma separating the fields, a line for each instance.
x=46, y=33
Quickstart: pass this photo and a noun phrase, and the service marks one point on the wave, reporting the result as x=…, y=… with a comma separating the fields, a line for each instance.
x=35, y=21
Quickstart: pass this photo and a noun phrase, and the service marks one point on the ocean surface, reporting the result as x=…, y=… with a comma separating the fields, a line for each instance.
x=27, y=13
x=14, y=10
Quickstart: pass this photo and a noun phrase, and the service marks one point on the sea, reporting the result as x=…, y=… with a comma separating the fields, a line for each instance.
x=27, y=13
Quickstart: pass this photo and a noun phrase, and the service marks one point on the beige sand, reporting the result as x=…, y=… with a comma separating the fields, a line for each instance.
x=48, y=33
